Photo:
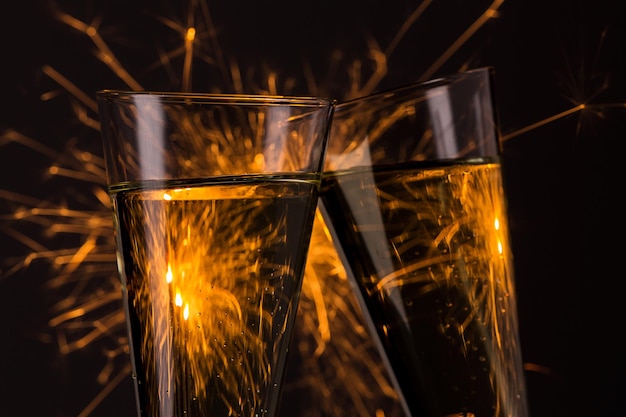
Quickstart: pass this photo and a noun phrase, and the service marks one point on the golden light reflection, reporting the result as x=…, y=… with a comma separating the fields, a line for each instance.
x=228, y=293
x=186, y=312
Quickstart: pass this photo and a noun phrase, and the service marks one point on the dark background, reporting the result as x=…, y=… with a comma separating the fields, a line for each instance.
x=563, y=178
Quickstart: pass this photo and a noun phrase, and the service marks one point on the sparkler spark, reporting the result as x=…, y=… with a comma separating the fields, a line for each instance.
x=330, y=327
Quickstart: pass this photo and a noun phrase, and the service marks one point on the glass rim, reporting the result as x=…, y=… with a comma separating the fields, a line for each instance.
x=113, y=95
x=425, y=85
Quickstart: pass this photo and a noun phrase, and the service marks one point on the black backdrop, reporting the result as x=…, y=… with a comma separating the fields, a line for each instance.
x=562, y=177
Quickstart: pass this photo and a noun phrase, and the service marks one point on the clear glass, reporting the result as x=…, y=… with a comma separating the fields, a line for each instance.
x=213, y=198
x=413, y=198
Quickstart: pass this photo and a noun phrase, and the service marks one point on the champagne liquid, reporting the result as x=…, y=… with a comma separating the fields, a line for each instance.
x=427, y=248
x=212, y=274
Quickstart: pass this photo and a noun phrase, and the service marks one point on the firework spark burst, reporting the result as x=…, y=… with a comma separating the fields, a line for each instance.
x=72, y=234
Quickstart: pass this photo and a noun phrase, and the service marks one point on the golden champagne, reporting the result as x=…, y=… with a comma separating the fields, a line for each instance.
x=211, y=271
x=427, y=249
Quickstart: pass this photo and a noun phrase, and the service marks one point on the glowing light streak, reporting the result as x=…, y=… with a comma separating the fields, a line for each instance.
x=381, y=58
x=189, y=38
x=70, y=87
x=105, y=392
x=406, y=26
x=73, y=173
x=13, y=136
x=104, y=52
x=543, y=122
x=478, y=23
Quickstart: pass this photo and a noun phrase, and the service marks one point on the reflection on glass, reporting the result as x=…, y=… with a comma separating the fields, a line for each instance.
x=213, y=199
x=414, y=200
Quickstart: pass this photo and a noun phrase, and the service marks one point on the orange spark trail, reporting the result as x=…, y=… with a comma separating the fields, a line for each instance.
x=104, y=52
x=543, y=122
x=381, y=59
x=70, y=87
x=478, y=23
x=105, y=392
